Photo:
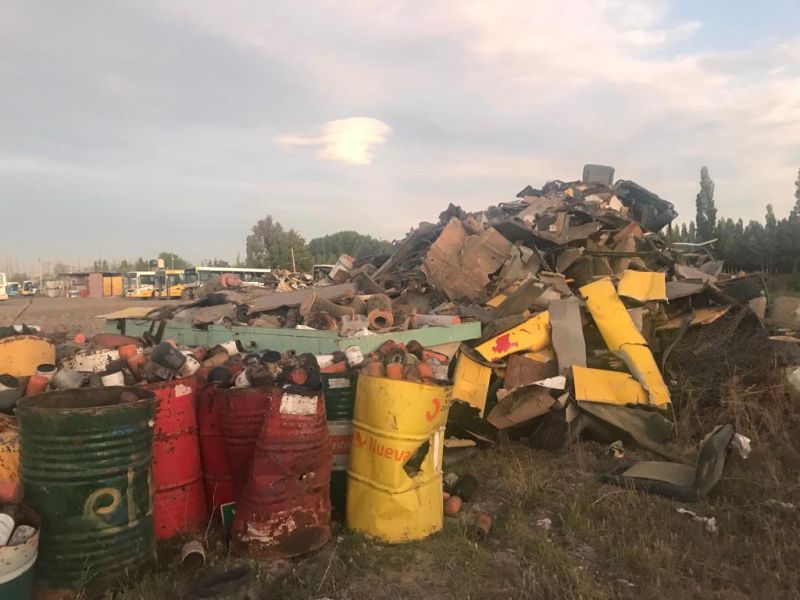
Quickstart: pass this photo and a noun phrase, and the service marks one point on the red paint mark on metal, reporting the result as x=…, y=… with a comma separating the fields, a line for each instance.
x=216, y=467
x=503, y=344
x=357, y=439
x=437, y=408
x=285, y=507
x=179, y=504
x=243, y=411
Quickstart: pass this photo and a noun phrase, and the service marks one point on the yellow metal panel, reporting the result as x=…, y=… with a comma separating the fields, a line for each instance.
x=392, y=421
x=107, y=286
x=643, y=285
x=623, y=339
x=21, y=354
x=532, y=335
x=471, y=382
x=545, y=355
x=496, y=300
x=609, y=387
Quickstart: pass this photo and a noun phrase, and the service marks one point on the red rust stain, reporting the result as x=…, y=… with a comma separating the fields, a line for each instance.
x=504, y=344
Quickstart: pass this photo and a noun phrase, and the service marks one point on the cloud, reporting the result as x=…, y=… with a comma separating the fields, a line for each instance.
x=174, y=103
x=349, y=140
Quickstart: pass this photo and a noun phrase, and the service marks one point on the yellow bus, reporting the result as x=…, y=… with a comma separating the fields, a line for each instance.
x=139, y=284
x=168, y=283
x=196, y=276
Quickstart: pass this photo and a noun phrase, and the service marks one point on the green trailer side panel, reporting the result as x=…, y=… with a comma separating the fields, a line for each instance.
x=299, y=340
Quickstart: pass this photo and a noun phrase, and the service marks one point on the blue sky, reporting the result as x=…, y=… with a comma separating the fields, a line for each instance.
x=127, y=128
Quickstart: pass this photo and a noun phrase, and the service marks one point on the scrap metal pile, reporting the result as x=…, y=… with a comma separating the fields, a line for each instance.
x=581, y=298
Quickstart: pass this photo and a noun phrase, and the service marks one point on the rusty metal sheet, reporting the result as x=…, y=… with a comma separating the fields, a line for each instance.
x=282, y=299
x=521, y=405
x=523, y=370
x=460, y=264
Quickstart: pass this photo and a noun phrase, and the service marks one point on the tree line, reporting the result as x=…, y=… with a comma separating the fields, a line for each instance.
x=268, y=246
x=772, y=246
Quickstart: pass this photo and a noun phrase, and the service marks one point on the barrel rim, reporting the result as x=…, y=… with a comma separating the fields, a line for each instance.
x=54, y=402
x=162, y=385
x=248, y=391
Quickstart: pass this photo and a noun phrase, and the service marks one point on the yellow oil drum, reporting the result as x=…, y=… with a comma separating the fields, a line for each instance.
x=394, y=479
x=21, y=354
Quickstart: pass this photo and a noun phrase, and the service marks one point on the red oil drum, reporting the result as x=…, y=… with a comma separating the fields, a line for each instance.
x=217, y=476
x=285, y=508
x=243, y=411
x=179, y=503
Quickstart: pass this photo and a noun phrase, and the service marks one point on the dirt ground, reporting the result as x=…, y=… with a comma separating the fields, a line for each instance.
x=69, y=315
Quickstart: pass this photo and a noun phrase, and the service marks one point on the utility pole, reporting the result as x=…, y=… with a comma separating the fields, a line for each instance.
x=294, y=266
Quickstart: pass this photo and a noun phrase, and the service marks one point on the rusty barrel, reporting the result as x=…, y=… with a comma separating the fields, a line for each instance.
x=243, y=411
x=217, y=476
x=86, y=462
x=284, y=510
x=179, y=503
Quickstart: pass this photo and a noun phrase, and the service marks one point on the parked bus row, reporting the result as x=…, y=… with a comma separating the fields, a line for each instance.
x=9, y=289
x=175, y=283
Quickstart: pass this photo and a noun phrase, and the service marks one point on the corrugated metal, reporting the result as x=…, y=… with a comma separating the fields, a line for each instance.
x=179, y=504
x=285, y=507
x=86, y=462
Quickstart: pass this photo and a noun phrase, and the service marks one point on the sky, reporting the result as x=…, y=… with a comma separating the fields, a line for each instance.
x=132, y=127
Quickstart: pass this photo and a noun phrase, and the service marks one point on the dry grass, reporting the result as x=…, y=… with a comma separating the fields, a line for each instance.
x=604, y=542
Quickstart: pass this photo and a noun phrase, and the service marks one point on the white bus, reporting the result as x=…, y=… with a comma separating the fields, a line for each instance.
x=139, y=284
x=3, y=293
x=196, y=276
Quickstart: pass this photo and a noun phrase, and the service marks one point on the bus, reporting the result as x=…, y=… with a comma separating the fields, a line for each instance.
x=139, y=284
x=168, y=284
x=196, y=276
x=12, y=288
x=3, y=293
x=29, y=288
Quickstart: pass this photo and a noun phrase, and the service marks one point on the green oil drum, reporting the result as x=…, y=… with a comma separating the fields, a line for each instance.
x=85, y=461
x=340, y=396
